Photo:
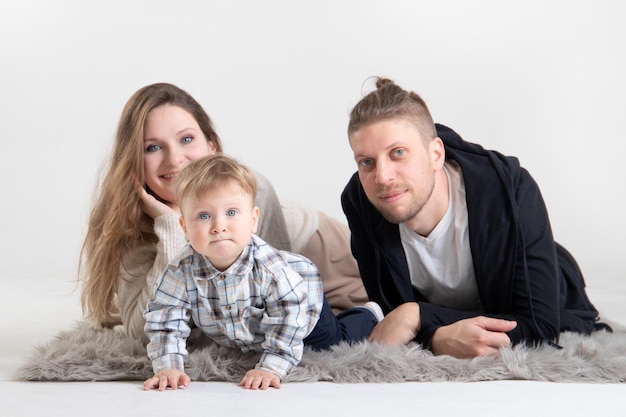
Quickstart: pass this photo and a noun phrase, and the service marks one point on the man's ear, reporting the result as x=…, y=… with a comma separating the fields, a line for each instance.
x=181, y=221
x=256, y=213
x=438, y=153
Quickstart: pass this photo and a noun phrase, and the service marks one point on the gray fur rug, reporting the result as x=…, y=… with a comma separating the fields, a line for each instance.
x=87, y=354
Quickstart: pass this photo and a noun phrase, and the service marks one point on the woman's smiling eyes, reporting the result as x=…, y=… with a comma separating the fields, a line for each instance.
x=153, y=147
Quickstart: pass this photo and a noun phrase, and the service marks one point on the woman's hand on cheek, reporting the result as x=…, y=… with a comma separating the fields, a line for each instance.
x=153, y=207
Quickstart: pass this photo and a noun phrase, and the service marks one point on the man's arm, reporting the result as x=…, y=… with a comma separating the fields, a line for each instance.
x=398, y=327
x=466, y=338
x=533, y=314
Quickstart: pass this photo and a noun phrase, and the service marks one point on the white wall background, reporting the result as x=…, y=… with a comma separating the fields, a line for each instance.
x=540, y=79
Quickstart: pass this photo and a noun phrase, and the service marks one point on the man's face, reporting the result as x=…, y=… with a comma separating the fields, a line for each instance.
x=396, y=167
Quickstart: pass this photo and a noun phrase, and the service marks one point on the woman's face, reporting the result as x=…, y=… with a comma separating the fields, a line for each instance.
x=172, y=139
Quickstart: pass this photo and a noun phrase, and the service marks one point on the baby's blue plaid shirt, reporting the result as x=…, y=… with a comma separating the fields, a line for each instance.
x=267, y=301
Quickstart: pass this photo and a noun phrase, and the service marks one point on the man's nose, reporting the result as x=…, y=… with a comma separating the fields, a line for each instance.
x=384, y=172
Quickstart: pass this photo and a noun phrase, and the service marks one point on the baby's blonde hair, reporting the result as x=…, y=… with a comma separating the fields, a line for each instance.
x=211, y=172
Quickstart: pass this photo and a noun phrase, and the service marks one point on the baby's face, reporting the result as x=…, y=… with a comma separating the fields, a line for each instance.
x=220, y=223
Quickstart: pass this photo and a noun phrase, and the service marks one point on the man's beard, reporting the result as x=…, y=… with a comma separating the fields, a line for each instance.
x=413, y=209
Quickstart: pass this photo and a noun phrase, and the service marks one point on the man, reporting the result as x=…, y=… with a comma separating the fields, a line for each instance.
x=452, y=240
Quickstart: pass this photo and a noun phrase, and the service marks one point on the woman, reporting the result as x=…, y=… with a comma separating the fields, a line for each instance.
x=133, y=228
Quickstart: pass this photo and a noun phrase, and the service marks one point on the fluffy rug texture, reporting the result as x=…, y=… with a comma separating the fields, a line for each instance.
x=88, y=354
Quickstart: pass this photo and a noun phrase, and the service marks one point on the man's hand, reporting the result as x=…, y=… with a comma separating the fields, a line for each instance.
x=259, y=379
x=476, y=336
x=398, y=327
x=171, y=378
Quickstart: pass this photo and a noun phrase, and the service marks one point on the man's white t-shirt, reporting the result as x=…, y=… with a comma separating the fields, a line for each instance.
x=440, y=264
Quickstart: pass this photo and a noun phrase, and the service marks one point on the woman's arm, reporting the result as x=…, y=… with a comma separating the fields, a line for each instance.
x=141, y=270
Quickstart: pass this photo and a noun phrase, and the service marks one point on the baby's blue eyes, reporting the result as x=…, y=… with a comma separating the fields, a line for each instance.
x=229, y=213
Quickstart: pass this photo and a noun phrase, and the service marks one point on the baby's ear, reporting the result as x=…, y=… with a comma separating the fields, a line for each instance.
x=181, y=221
x=256, y=213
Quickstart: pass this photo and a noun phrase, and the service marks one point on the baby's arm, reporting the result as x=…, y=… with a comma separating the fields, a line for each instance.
x=291, y=312
x=259, y=379
x=167, y=328
x=170, y=378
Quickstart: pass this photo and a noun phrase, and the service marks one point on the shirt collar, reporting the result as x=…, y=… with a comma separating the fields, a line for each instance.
x=242, y=265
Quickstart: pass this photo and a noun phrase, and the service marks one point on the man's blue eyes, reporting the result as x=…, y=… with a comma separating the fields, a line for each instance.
x=370, y=162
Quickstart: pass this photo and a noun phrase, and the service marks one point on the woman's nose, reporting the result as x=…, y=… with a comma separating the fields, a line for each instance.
x=174, y=156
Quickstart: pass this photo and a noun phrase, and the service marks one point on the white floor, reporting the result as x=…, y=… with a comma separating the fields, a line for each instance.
x=24, y=327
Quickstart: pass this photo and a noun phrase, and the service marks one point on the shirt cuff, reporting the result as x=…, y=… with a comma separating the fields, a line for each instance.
x=167, y=362
x=279, y=365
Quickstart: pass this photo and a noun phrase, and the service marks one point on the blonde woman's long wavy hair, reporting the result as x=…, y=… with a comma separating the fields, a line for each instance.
x=117, y=224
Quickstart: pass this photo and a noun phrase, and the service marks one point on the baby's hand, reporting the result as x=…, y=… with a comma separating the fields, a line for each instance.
x=170, y=378
x=259, y=379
